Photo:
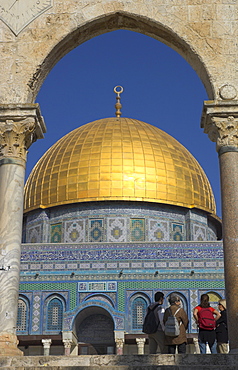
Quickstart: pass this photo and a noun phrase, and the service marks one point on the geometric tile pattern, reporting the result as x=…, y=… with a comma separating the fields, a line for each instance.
x=56, y=233
x=193, y=302
x=36, y=313
x=177, y=232
x=158, y=230
x=112, y=225
x=96, y=230
x=35, y=234
x=163, y=285
x=74, y=231
x=199, y=233
x=116, y=230
x=137, y=229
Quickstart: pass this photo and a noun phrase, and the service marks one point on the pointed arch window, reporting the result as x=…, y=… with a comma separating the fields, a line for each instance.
x=139, y=306
x=22, y=315
x=55, y=315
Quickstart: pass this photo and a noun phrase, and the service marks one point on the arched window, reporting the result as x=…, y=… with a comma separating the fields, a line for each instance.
x=214, y=298
x=55, y=315
x=22, y=315
x=138, y=312
x=183, y=303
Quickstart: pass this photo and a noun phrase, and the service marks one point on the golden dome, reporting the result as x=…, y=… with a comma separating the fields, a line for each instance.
x=118, y=159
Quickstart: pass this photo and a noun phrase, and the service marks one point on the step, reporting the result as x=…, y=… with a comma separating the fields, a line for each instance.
x=125, y=362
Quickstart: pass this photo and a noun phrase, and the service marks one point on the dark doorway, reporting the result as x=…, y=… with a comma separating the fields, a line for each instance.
x=95, y=333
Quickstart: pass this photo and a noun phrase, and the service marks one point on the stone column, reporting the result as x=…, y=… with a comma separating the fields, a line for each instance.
x=46, y=344
x=196, y=345
x=19, y=127
x=140, y=345
x=220, y=122
x=119, y=346
x=67, y=346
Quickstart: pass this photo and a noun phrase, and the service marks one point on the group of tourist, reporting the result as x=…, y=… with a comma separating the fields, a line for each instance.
x=171, y=325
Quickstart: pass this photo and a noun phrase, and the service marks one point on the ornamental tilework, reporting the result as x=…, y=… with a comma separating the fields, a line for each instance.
x=114, y=223
x=116, y=230
x=119, y=323
x=75, y=231
x=36, y=313
x=137, y=229
x=199, y=233
x=193, y=303
x=56, y=233
x=34, y=234
x=123, y=252
x=158, y=230
x=177, y=232
x=96, y=230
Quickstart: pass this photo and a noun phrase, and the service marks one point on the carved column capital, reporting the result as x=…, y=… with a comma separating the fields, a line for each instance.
x=140, y=344
x=119, y=345
x=220, y=122
x=46, y=343
x=20, y=126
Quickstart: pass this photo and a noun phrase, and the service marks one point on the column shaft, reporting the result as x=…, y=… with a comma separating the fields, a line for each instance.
x=229, y=192
x=20, y=126
x=220, y=122
x=11, y=205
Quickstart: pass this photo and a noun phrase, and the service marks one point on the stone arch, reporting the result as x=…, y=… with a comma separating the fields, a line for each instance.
x=111, y=22
x=100, y=297
x=94, y=327
x=184, y=300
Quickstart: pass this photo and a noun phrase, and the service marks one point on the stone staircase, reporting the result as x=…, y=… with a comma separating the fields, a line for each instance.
x=130, y=362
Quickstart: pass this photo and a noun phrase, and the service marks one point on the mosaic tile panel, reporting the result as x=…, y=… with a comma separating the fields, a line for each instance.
x=75, y=221
x=100, y=286
x=199, y=233
x=34, y=234
x=74, y=231
x=137, y=229
x=96, y=230
x=158, y=230
x=193, y=303
x=53, y=287
x=56, y=233
x=116, y=230
x=36, y=314
x=177, y=232
x=165, y=284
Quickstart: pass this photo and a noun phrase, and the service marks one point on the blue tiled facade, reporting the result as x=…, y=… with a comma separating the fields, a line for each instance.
x=114, y=257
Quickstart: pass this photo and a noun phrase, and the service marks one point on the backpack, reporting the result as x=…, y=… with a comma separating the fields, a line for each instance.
x=172, y=326
x=151, y=322
x=206, y=319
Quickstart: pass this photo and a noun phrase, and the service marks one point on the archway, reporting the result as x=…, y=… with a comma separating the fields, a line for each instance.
x=61, y=31
x=95, y=331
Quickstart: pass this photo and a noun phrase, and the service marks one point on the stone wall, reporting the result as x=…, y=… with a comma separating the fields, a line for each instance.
x=203, y=32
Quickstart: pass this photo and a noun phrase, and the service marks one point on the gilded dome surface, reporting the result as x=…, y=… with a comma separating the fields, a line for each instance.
x=118, y=159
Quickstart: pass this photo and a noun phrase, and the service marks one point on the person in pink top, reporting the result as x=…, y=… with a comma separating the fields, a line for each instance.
x=205, y=317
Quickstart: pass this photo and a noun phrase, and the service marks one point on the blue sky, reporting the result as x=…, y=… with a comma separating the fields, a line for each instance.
x=160, y=88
